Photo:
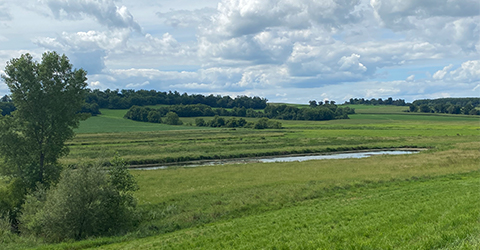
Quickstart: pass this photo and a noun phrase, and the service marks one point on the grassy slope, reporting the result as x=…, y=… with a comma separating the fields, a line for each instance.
x=112, y=121
x=359, y=197
x=254, y=196
x=425, y=214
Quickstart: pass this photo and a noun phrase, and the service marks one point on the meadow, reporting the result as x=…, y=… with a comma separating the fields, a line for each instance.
x=429, y=200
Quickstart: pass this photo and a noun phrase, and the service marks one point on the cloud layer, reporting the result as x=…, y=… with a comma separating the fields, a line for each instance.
x=285, y=50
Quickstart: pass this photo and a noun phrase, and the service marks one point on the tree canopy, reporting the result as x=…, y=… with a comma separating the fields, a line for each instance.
x=48, y=96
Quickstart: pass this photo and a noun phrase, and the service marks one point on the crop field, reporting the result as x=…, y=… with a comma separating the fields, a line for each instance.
x=428, y=200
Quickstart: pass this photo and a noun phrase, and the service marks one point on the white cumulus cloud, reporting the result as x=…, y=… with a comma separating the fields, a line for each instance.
x=106, y=12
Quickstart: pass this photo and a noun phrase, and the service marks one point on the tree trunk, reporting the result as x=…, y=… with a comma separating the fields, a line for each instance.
x=41, y=167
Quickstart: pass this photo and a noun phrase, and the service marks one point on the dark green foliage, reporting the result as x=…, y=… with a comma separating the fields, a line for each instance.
x=87, y=201
x=120, y=177
x=127, y=98
x=454, y=109
x=187, y=110
x=12, y=197
x=464, y=106
x=217, y=122
x=172, y=119
x=7, y=108
x=318, y=113
x=199, y=122
x=373, y=101
x=424, y=108
x=475, y=101
x=48, y=96
x=154, y=116
x=413, y=108
x=90, y=108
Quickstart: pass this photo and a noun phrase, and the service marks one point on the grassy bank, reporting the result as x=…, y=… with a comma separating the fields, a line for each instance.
x=426, y=200
x=438, y=213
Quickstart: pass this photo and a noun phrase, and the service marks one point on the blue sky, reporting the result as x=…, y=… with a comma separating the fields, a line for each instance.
x=285, y=50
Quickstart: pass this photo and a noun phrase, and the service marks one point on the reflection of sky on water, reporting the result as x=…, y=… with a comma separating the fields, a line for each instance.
x=285, y=159
x=334, y=156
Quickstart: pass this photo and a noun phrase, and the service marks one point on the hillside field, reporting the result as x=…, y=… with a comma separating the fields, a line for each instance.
x=428, y=200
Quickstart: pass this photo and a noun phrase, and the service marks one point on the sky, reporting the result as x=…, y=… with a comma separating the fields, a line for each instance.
x=289, y=51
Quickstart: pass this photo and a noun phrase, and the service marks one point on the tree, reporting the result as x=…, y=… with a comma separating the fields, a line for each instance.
x=154, y=116
x=172, y=119
x=48, y=97
x=424, y=108
x=200, y=122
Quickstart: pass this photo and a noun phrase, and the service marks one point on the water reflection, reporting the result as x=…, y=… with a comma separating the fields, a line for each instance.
x=282, y=159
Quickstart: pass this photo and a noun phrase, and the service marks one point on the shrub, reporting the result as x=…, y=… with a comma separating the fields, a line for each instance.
x=12, y=197
x=200, y=122
x=87, y=201
x=154, y=116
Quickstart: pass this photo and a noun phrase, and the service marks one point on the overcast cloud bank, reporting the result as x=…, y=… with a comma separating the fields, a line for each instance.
x=284, y=50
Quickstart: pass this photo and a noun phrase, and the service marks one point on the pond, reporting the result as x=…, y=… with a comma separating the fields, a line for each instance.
x=297, y=158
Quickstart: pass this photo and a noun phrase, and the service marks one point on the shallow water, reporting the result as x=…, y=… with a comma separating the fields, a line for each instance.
x=335, y=156
x=284, y=159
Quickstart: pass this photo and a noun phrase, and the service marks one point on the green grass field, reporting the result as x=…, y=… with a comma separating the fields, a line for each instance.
x=147, y=143
x=439, y=213
x=429, y=200
x=112, y=121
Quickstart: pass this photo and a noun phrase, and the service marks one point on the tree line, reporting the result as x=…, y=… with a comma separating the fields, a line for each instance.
x=7, y=106
x=328, y=111
x=466, y=106
x=282, y=112
x=379, y=101
x=220, y=122
x=126, y=98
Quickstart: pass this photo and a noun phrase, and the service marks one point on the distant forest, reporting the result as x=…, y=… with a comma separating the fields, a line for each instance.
x=186, y=105
x=379, y=101
x=272, y=111
x=126, y=98
x=466, y=106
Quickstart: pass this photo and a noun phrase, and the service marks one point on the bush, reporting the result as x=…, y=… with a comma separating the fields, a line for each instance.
x=87, y=201
x=200, y=122
x=154, y=116
x=217, y=122
x=12, y=197
x=6, y=234
x=172, y=119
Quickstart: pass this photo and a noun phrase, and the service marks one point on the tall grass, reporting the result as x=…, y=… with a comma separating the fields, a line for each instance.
x=190, y=198
x=437, y=213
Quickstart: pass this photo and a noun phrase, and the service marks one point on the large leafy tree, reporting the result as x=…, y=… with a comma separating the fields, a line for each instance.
x=48, y=96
